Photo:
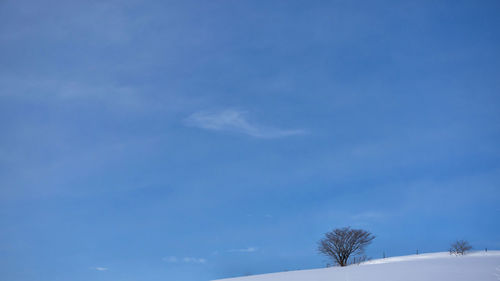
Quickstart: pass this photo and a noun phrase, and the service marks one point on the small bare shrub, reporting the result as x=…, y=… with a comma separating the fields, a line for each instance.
x=460, y=247
x=359, y=260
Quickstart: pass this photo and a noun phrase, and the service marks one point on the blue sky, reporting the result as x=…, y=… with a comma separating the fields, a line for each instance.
x=194, y=140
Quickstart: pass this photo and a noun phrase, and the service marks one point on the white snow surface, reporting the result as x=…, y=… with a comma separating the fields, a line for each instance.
x=475, y=266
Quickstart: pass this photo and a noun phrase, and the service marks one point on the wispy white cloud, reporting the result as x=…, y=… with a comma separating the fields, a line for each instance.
x=244, y=250
x=267, y=216
x=174, y=259
x=170, y=259
x=99, y=268
x=194, y=260
x=236, y=121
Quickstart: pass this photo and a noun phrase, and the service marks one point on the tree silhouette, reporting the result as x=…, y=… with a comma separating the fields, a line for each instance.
x=342, y=243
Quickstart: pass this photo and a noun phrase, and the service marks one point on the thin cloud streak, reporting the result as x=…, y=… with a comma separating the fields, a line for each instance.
x=235, y=121
x=244, y=250
x=174, y=259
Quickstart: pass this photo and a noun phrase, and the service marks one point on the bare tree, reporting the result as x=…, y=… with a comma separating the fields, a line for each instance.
x=460, y=247
x=342, y=243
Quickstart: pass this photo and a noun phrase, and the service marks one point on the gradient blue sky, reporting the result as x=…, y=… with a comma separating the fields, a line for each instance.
x=194, y=140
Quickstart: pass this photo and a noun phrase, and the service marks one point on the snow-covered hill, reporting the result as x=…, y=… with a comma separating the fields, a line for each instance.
x=476, y=266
